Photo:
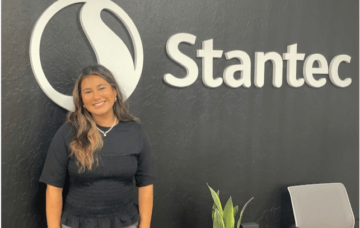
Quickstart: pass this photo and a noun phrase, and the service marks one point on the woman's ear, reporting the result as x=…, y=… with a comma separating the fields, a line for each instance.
x=115, y=94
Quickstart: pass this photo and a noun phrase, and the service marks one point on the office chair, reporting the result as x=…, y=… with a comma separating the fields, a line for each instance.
x=321, y=206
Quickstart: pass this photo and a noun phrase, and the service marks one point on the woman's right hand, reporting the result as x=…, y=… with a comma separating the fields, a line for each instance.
x=53, y=206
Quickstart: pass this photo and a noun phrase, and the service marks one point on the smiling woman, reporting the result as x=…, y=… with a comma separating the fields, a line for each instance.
x=104, y=149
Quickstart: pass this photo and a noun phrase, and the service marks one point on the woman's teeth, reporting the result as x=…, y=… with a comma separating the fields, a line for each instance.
x=99, y=104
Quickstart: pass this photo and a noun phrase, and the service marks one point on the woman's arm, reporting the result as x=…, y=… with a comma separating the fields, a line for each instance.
x=145, y=205
x=53, y=206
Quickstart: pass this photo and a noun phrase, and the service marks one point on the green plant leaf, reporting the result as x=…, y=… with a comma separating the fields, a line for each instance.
x=229, y=214
x=236, y=209
x=213, y=211
x=216, y=200
x=214, y=206
x=242, y=211
x=218, y=221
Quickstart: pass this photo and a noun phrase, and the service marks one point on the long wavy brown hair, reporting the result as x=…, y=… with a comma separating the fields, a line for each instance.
x=87, y=140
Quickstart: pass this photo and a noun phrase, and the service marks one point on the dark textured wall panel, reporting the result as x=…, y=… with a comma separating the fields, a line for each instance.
x=245, y=141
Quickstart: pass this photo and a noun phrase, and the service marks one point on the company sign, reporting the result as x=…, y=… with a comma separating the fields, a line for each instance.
x=208, y=54
x=111, y=52
x=109, y=49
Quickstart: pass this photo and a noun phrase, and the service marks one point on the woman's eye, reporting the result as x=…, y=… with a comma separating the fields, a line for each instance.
x=102, y=88
x=87, y=92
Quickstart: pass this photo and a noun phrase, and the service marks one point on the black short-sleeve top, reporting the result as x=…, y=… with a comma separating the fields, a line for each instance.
x=103, y=197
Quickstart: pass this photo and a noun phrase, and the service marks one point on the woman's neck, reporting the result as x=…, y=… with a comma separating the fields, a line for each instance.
x=105, y=121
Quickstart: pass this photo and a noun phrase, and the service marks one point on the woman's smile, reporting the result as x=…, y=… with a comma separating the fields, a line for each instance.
x=100, y=104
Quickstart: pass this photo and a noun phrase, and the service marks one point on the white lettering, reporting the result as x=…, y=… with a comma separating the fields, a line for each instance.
x=244, y=68
x=207, y=53
x=260, y=59
x=292, y=56
x=309, y=70
x=334, y=71
x=172, y=48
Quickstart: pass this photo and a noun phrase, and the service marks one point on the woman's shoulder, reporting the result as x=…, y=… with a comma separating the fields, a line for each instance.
x=130, y=124
x=66, y=130
x=66, y=127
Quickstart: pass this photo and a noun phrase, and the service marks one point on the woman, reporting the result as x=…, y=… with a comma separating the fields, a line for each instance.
x=104, y=149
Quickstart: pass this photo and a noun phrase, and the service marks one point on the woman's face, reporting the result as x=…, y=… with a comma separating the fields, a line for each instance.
x=97, y=95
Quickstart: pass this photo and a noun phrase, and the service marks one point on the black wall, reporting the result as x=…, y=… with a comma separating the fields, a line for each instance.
x=244, y=141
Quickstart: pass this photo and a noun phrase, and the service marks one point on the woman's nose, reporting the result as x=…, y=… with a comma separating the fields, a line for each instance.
x=96, y=95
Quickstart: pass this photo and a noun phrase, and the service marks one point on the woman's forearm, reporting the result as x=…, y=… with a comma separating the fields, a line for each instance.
x=145, y=205
x=53, y=206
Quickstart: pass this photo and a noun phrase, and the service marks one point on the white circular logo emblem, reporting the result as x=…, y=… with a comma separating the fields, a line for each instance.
x=109, y=49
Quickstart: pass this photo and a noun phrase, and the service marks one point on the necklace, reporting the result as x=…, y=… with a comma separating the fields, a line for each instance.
x=104, y=133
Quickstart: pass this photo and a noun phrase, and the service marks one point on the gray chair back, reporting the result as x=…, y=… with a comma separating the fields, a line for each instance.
x=321, y=205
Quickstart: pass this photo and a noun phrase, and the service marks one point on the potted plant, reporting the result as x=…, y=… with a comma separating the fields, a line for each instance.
x=225, y=218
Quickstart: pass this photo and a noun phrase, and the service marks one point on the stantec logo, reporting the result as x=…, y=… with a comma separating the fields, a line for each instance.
x=109, y=49
x=208, y=54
